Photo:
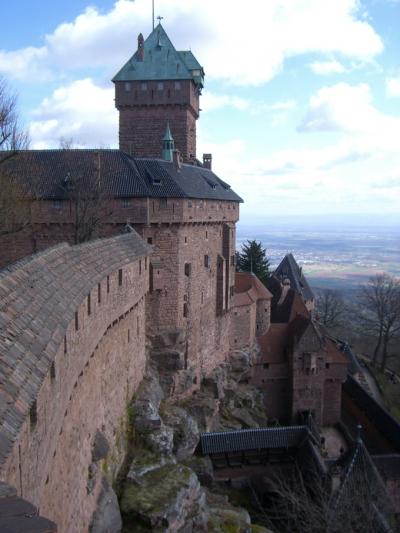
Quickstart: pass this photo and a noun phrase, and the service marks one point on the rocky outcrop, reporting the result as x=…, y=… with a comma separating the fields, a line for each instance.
x=107, y=517
x=165, y=488
x=168, y=499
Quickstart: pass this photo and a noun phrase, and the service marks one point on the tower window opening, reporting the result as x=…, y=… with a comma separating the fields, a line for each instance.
x=177, y=86
x=53, y=370
x=160, y=86
x=120, y=277
x=99, y=293
x=144, y=86
x=89, y=305
x=127, y=86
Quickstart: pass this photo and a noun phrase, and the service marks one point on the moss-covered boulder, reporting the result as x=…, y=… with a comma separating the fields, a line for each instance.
x=168, y=499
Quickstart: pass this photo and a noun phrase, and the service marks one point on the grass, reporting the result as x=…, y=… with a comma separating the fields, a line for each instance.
x=390, y=392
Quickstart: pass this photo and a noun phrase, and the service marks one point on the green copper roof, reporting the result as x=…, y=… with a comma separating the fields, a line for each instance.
x=161, y=62
x=168, y=134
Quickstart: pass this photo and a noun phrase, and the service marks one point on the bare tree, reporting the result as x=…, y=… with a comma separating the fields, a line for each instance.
x=14, y=205
x=90, y=201
x=12, y=137
x=330, y=308
x=307, y=503
x=380, y=299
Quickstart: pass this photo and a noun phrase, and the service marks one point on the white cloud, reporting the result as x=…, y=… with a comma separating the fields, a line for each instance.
x=347, y=108
x=393, y=86
x=233, y=43
x=324, y=68
x=211, y=102
x=81, y=111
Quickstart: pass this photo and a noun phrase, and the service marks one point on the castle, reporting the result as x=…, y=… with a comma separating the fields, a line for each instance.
x=80, y=324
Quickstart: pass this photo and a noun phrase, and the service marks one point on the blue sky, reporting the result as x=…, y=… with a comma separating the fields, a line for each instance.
x=301, y=108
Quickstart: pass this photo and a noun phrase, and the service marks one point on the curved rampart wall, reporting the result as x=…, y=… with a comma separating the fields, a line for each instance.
x=72, y=353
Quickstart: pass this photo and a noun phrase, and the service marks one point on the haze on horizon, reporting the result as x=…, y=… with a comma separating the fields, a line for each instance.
x=300, y=110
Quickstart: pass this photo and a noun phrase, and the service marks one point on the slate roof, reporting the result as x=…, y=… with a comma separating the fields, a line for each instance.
x=18, y=515
x=120, y=175
x=288, y=268
x=38, y=299
x=253, y=439
x=161, y=61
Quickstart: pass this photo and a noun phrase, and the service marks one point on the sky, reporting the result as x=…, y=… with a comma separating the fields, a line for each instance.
x=301, y=106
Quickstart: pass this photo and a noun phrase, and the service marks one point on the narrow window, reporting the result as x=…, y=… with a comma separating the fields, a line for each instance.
x=163, y=203
x=149, y=240
x=76, y=321
x=57, y=204
x=206, y=234
x=144, y=86
x=99, y=293
x=190, y=204
x=185, y=240
x=120, y=277
x=53, y=370
x=126, y=202
x=108, y=284
x=207, y=261
x=33, y=415
x=137, y=326
x=127, y=86
x=185, y=310
x=140, y=267
x=177, y=86
x=89, y=305
x=233, y=260
x=327, y=365
x=65, y=345
x=160, y=86
x=145, y=263
x=202, y=297
x=188, y=269
x=129, y=335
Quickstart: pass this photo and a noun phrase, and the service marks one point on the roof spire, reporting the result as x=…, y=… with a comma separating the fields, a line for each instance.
x=168, y=145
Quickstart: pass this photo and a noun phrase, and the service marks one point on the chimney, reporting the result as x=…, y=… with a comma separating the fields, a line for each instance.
x=140, y=48
x=207, y=160
x=177, y=158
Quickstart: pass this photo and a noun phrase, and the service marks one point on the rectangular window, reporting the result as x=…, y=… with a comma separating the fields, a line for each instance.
x=177, y=86
x=207, y=261
x=188, y=269
x=99, y=293
x=89, y=305
x=232, y=291
x=233, y=260
x=206, y=234
x=327, y=365
x=202, y=297
x=108, y=284
x=53, y=370
x=143, y=86
x=190, y=204
x=76, y=321
x=57, y=204
x=127, y=86
x=163, y=203
x=33, y=415
x=149, y=240
x=65, y=345
x=120, y=277
x=125, y=203
x=129, y=335
x=137, y=326
x=160, y=86
x=145, y=263
x=140, y=267
x=266, y=365
x=185, y=310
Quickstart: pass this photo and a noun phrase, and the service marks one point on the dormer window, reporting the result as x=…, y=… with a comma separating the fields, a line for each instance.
x=196, y=72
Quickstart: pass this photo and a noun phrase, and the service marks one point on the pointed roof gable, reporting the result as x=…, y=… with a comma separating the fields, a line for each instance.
x=161, y=61
x=288, y=268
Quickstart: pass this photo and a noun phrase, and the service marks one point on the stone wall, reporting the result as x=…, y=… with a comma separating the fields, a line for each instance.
x=144, y=115
x=84, y=388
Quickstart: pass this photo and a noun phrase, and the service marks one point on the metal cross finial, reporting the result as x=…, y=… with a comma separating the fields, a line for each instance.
x=159, y=19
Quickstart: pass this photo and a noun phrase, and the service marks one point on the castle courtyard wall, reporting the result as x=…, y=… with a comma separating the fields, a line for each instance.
x=99, y=362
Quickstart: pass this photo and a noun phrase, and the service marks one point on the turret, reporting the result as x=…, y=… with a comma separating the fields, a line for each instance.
x=168, y=145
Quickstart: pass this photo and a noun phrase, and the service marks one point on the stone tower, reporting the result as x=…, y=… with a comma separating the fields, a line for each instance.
x=157, y=86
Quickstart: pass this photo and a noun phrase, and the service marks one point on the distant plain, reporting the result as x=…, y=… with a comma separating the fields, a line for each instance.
x=333, y=253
